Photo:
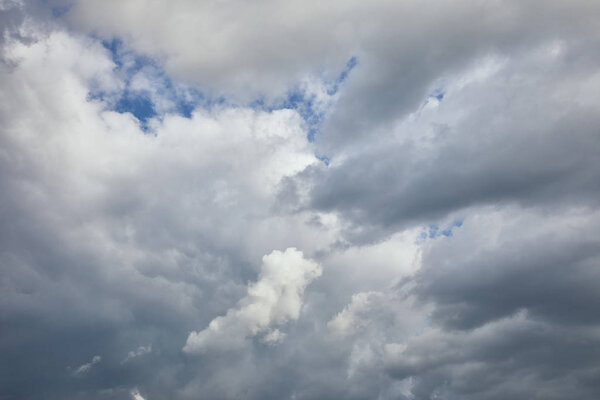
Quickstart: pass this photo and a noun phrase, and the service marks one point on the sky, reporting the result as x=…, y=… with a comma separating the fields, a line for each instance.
x=299, y=199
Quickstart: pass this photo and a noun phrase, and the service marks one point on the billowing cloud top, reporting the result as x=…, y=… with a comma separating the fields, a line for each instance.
x=275, y=299
x=299, y=200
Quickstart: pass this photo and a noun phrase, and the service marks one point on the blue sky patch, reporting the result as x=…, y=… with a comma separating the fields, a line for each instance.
x=323, y=159
x=438, y=94
x=305, y=103
x=161, y=95
x=352, y=62
x=137, y=104
x=149, y=93
x=434, y=231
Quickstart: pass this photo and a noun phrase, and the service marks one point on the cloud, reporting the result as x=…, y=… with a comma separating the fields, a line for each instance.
x=515, y=357
x=139, y=352
x=129, y=231
x=136, y=395
x=452, y=154
x=355, y=315
x=515, y=261
x=433, y=164
x=274, y=337
x=512, y=298
x=230, y=46
x=273, y=300
x=85, y=368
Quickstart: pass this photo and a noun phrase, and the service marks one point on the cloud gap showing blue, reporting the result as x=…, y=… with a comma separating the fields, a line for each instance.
x=142, y=103
x=304, y=103
x=438, y=94
x=434, y=231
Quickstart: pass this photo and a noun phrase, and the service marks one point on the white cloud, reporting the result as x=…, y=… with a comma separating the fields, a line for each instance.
x=136, y=395
x=273, y=337
x=214, y=174
x=87, y=366
x=356, y=314
x=139, y=352
x=273, y=300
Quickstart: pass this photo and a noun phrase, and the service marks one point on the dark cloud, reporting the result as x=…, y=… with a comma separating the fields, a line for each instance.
x=513, y=298
x=523, y=142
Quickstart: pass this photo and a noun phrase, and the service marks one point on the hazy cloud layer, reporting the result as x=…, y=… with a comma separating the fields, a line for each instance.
x=292, y=200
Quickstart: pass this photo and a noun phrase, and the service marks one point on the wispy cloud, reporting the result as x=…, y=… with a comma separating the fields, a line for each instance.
x=139, y=352
x=85, y=368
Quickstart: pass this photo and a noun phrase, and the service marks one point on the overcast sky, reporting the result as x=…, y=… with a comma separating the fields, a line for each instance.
x=300, y=199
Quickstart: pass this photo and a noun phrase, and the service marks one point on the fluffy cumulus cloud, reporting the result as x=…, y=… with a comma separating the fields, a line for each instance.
x=273, y=300
x=298, y=200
